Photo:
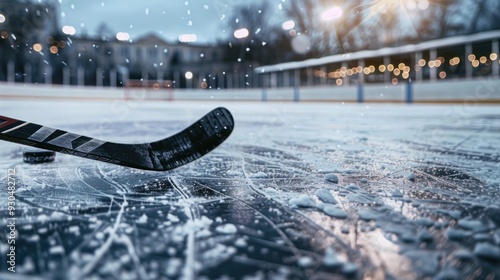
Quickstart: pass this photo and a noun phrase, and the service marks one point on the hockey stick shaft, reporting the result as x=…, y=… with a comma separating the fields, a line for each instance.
x=186, y=146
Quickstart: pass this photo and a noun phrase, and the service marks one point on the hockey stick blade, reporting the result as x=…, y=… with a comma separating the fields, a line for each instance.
x=184, y=147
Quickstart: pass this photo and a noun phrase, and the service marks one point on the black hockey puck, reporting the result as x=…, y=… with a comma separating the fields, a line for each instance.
x=38, y=156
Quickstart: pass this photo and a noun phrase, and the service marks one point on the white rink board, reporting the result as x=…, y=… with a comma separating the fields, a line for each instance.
x=452, y=91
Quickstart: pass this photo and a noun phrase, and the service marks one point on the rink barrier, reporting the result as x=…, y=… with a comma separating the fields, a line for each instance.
x=479, y=91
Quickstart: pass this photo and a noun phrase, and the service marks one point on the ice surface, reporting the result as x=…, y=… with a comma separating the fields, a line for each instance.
x=326, y=196
x=332, y=178
x=413, y=194
x=227, y=229
x=487, y=251
x=335, y=212
x=302, y=201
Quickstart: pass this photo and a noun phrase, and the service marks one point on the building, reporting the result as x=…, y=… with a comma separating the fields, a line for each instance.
x=111, y=62
x=35, y=50
x=27, y=31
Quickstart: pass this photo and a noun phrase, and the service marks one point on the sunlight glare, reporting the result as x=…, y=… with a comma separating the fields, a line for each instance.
x=331, y=13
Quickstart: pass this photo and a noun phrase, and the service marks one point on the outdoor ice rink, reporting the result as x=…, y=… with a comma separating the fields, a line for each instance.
x=298, y=191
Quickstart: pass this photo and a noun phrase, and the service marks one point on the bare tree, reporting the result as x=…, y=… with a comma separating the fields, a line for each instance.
x=104, y=31
x=264, y=36
x=364, y=24
x=351, y=31
x=486, y=15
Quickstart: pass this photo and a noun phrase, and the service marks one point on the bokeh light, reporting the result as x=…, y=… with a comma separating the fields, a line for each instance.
x=38, y=47
x=188, y=38
x=332, y=13
x=54, y=50
x=122, y=36
x=287, y=25
x=241, y=33
x=69, y=30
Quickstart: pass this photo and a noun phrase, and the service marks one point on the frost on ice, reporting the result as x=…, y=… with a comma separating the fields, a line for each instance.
x=319, y=204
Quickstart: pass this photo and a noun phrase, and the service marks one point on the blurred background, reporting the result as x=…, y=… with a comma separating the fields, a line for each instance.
x=240, y=44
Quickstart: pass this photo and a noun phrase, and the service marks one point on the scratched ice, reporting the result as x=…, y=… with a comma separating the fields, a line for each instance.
x=415, y=196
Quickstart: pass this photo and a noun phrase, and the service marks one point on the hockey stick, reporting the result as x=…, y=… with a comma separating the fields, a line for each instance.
x=184, y=147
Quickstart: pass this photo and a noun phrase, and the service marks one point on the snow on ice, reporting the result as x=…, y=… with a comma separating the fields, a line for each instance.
x=298, y=191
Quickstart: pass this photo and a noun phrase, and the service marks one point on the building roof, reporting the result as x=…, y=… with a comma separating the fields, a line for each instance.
x=410, y=48
x=151, y=39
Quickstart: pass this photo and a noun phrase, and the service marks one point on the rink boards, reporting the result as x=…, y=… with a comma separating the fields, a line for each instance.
x=459, y=91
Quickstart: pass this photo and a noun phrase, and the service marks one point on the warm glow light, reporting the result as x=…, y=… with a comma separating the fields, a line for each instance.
x=395, y=81
x=493, y=56
x=483, y=59
x=188, y=38
x=2, y=18
x=421, y=62
x=475, y=63
x=406, y=69
x=442, y=74
x=69, y=30
x=287, y=25
x=366, y=70
x=349, y=72
x=454, y=61
x=321, y=74
x=241, y=33
x=471, y=57
x=189, y=75
x=38, y=47
x=381, y=68
x=54, y=50
x=122, y=36
x=406, y=75
x=390, y=67
x=397, y=72
x=339, y=82
x=437, y=63
x=331, y=13
x=372, y=68
x=432, y=64
x=401, y=66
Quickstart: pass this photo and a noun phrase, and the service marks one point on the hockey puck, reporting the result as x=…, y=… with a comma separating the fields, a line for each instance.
x=38, y=156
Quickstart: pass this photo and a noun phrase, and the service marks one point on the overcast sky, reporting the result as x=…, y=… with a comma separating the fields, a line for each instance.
x=169, y=18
